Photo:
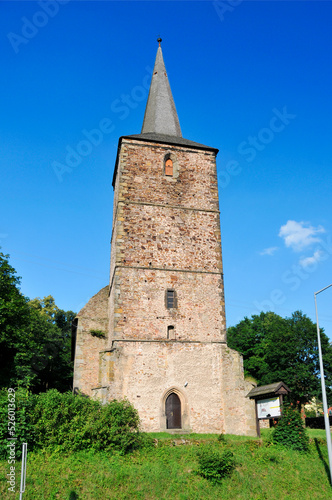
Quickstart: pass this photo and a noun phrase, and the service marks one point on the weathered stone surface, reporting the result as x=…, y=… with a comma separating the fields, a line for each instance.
x=141, y=313
x=93, y=316
x=166, y=235
x=142, y=179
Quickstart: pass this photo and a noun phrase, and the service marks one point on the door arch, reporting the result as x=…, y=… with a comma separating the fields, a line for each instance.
x=173, y=411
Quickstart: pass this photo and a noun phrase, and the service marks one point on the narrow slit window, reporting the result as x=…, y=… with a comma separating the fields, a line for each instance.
x=171, y=301
x=73, y=338
x=169, y=167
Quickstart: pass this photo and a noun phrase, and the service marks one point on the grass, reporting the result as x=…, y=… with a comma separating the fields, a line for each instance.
x=168, y=471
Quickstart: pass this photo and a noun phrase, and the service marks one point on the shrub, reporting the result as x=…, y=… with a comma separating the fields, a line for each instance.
x=214, y=465
x=68, y=422
x=75, y=422
x=114, y=425
x=15, y=421
x=290, y=430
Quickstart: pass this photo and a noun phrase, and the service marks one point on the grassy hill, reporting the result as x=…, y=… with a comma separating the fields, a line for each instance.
x=167, y=471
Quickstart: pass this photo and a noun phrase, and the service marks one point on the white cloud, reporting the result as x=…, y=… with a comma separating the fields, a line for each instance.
x=300, y=235
x=314, y=259
x=268, y=251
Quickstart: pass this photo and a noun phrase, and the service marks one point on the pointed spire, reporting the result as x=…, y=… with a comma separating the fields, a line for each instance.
x=160, y=113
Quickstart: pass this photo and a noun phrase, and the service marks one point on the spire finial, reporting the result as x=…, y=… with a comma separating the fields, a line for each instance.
x=159, y=40
x=160, y=113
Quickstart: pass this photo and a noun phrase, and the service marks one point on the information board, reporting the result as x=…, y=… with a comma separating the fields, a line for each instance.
x=268, y=407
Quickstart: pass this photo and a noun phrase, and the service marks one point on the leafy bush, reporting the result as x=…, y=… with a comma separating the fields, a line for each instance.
x=15, y=421
x=214, y=465
x=290, y=430
x=68, y=422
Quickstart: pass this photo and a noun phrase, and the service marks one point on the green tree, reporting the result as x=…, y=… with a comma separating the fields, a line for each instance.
x=52, y=361
x=14, y=318
x=276, y=348
x=35, y=337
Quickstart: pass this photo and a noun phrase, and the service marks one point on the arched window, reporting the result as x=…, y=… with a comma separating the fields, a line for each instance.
x=173, y=411
x=169, y=167
x=171, y=332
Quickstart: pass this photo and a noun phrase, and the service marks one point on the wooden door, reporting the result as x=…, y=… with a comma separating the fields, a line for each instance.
x=173, y=412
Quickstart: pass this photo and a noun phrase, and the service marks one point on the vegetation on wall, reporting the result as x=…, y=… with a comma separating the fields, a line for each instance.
x=98, y=333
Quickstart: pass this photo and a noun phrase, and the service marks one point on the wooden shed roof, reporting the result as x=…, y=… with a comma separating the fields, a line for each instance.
x=265, y=390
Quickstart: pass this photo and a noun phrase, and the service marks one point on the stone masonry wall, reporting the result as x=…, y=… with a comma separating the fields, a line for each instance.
x=141, y=311
x=206, y=376
x=143, y=193
x=93, y=316
x=142, y=179
x=145, y=371
x=241, y=417
x=167, y=237
x=166, y=225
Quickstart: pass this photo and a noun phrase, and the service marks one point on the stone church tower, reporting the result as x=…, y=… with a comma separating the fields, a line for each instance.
x=157, y=334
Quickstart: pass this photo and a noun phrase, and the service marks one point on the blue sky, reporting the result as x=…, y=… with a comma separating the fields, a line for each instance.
x=253, y=79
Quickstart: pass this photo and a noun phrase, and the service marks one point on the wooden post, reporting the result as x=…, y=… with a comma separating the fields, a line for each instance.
x=258, y=429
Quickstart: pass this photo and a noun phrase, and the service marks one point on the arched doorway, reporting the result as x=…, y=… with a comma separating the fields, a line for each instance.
x=173, y=411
